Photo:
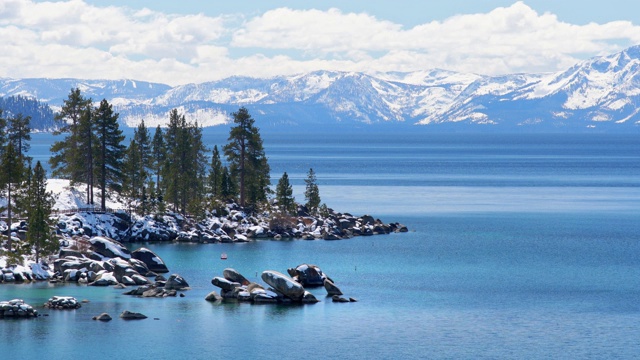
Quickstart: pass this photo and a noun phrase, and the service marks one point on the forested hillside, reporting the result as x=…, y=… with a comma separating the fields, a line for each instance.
x=41, y=114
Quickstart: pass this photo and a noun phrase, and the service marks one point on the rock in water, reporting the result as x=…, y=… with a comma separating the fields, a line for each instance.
x=213, y=296
x=102, y=317
x=224, y=284
x=153, y=261
x=308, y=275
x=128, y=315
x=283, y=284
x=234, y=276
x=176, y=282
x=331, y=288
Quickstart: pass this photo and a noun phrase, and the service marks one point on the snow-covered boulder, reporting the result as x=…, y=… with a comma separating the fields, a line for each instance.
x=62, y=302
x=109, y=247
x=16, y=308
x=151, y=259
x=283, y=284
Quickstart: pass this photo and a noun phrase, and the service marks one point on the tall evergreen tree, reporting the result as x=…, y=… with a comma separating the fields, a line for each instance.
x=67, y=160
x=86, y=145
x=284, y=194
x=215, y=173
x=10, y=179
x=110, y=150
x=39, y=234
x=158, y=154
x=3, y=132
x=19, y=133
x=311, y=192
x=248, y=163
x=143, y=139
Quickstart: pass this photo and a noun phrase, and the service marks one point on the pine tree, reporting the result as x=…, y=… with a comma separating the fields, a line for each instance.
x=3, y=132
x=215, y=173
x=143, y=139
x=158, y=154
x=86, y=146
x=228, y=187
x=39, y=234
x=110, y=150
x=20, y=134
x=248, y=163
x=10, y=179
x=66, y=160
x=311, y=192
x=284, y=194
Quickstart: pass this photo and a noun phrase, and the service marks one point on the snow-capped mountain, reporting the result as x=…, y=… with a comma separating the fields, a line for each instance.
x=602, y=93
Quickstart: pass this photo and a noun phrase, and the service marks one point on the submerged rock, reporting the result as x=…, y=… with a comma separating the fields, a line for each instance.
x=102, y=317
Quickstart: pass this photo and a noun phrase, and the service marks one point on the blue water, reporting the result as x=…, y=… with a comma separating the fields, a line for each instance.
x=521, y=246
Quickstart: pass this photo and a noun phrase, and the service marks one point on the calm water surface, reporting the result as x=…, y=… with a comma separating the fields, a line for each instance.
x=521, y=246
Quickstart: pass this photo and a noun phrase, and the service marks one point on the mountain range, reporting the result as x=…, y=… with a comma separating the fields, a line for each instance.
x=601, y=93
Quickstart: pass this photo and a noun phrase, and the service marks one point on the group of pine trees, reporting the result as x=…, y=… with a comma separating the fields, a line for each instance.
x=24, y=189
x=167, y=171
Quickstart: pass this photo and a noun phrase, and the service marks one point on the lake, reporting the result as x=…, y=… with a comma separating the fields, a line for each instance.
x=520, y=246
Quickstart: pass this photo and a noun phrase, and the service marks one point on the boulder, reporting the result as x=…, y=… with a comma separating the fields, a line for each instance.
x=176, y=282
x=128, y=315
x=309, y=298
x=109, y=248
x=224, y=284
x=308, y=275
x=283, y=284
x=338, y=298
x=16, y=308
x=62, y=302
x=213, y=296
x=102, y=317
x=154, y=262
x=331, y=288
x=234, y=276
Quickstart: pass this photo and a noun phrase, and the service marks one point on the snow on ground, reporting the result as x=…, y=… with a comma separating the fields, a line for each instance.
x=73, y=197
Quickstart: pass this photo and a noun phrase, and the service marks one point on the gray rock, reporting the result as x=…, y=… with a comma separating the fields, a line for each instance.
x=102, y=317
x=234, y=276
x=213, y=296
x=283, y=284
x=224, y=284
x=176, y=282
x=152, y=260
x=331, y=288
x=109, y=248
x=128, y=315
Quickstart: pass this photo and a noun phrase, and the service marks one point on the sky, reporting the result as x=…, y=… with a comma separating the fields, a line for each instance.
x=189, y=41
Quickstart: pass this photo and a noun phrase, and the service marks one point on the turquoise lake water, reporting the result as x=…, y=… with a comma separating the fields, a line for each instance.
x=520, y=246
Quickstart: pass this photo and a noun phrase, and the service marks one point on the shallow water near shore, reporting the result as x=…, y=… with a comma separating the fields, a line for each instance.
x=519, y=247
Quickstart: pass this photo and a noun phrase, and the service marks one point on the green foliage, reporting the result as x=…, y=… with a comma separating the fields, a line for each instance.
x=10, y=179
x=39, y=235
x=214, y=181
x=158, y=154
x=284, y=195
x=110, y=150
x=66, y=159
x=248, y=163
x=19, y=134
x=311, y=192
x=183, y=171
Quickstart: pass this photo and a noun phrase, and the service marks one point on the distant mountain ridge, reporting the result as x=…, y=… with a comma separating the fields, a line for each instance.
x=598, y=93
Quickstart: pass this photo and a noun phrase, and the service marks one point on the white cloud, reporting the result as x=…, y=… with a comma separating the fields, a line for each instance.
x=75, y=39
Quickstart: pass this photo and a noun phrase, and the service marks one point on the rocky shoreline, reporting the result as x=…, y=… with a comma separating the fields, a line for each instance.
x=233, y=225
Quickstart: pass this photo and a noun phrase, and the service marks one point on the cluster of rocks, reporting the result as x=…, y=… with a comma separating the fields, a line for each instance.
x=125, y=315
x=62, y=303
x=101, y=261
x=233, y=225
x=281, y=288
x=16, y=308
x=161, y=288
